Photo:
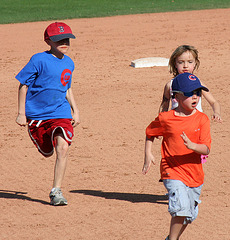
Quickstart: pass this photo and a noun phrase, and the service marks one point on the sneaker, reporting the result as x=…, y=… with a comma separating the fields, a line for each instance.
x=56, y=197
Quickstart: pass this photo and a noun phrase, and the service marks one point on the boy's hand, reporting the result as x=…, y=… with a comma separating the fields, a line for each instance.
x=187, y=142
x=198, y=148
x=148, y=160
x=76, y=120
x=21, y=120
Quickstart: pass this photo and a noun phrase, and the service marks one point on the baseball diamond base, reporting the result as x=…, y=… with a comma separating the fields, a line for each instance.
x=150, y=62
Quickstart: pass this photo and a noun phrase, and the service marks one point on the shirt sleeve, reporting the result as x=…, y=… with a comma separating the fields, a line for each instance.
x=155, y=128
x=28, y=74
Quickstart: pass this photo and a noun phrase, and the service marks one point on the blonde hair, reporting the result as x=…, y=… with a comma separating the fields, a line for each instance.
x=180, y=50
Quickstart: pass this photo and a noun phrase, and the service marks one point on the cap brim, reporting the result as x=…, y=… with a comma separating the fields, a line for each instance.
x=191, y=90
x=202, y=88
x=60, y=37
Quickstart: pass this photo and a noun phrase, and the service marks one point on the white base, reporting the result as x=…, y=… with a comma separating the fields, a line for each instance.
x=150, y=62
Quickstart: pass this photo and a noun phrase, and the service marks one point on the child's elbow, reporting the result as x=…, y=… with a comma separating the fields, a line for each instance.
x=207, y=150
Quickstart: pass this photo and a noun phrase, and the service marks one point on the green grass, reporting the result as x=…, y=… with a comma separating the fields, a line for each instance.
x=13, y=11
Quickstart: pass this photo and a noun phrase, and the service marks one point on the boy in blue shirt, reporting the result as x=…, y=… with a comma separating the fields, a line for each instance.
x=45, y=100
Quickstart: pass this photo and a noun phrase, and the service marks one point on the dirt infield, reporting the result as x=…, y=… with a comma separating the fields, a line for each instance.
x=109, y=198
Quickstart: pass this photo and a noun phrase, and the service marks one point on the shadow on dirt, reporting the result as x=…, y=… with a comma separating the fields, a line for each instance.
x=20, y=195
x=130, y=197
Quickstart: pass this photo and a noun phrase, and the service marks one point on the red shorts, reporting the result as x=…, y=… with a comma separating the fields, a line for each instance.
x=42, y=133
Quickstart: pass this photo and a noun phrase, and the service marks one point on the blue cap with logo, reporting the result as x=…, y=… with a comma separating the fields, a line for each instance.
x=187, y=82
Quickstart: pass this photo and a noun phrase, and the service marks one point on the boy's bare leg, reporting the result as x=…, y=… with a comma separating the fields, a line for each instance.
x=176, y=227
x=182, y=230
x=61, y=160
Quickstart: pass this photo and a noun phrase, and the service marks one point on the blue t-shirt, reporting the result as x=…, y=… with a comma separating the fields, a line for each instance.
x=48, y=78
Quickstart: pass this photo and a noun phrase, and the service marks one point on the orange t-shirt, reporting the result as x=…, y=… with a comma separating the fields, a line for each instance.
x=178, y=162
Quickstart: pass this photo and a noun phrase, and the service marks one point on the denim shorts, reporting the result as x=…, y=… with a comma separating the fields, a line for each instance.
x=183, y=200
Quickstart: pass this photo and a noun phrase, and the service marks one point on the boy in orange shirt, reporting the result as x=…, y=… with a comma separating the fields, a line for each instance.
x=186, y=136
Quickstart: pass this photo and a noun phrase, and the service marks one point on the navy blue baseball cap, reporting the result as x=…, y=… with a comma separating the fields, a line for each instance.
x=186, y=83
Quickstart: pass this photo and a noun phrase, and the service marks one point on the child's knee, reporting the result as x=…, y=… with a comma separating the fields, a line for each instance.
x=61, y=147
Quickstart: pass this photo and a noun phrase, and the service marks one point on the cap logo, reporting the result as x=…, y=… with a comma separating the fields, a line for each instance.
x=61, y=29
x=192, y=77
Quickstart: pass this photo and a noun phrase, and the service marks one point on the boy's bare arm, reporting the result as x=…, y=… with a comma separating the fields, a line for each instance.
x=199, y=148
x=21, y=118
x=71, y=100
x=149, y=158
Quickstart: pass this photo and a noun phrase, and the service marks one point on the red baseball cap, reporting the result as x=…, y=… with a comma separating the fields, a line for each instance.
x=58, y=31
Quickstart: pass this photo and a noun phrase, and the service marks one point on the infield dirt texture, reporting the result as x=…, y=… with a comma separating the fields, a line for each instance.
x=109, y=198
